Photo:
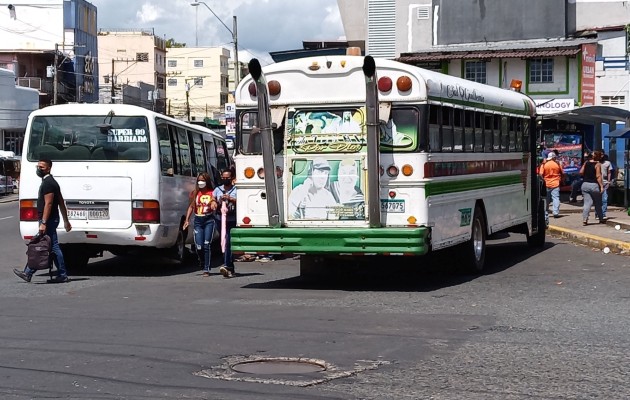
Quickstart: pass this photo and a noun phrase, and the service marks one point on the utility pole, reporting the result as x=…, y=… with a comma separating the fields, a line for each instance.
x=112, y=81
x=187, y=103
x=237, y=72
x=55, y=74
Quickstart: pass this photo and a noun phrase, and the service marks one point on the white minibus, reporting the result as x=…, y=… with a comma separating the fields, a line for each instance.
x=125, y=173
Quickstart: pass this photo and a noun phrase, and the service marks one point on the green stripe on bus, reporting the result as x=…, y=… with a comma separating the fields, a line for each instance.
x=315, y=240
x=445, y=187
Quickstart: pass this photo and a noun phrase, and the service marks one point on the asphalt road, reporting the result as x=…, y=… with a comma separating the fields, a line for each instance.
x=538, y=325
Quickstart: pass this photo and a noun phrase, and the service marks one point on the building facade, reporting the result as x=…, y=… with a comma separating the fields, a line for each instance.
x=197, y=83
x=133, y=67
x=16, y=103
x=51, y=46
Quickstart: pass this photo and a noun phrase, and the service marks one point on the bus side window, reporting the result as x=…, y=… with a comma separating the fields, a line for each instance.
x=177, y=162
x=184, y=152
x=505, y=136
x=526, y=134
x=223, y=162
x=434, y=128
x=447, y=129
x=519, y=134
x=197, y=151
x=211, y=161
x=496, y=132
x=469, y=129
x=166, y=150
x=487, y=132
x=479, y=132
x=458, y=130
x=512, y=125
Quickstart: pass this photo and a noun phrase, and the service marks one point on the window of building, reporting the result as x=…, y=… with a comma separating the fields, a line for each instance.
x=172, y=82
x=198, y=82
x=198, y=63
x=142, y=57
x=475, y=71
x=606, y=100
x=172, y=63
x=541, y=70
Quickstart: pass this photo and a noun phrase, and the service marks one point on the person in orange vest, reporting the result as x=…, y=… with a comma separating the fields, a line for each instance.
x=551, y=171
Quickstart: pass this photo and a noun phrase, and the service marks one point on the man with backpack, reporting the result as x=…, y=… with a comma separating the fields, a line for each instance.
x=551, y=172
x=226, y=198
x=49, y=203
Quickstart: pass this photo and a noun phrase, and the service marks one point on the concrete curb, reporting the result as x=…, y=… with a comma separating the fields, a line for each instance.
x=597, y=242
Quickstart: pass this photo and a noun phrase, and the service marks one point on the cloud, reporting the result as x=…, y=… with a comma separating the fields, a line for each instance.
x=149, y=13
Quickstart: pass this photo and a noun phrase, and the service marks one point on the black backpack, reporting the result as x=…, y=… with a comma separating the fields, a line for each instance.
x=39, y=253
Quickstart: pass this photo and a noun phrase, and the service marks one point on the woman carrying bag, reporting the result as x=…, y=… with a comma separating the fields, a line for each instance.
x=592, y=187
x=203, y=204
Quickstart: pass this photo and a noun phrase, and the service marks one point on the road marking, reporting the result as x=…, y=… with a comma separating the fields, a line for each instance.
x=6, y=217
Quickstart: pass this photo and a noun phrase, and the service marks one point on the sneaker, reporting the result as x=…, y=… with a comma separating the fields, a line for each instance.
x=265, y=259
x=206, y=274
x=226, y=272
x=60, y=279
x=26, y=277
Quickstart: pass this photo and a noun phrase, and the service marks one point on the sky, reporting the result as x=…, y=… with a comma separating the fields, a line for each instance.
x=262, y=25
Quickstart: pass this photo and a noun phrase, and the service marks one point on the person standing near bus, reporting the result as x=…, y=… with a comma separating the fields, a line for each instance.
x=49, y=202
x=607, y=171
x=551, y=172
x=226, y=194
x=204, y=205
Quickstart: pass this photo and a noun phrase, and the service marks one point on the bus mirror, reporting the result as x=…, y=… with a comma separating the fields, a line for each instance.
x=104, y=128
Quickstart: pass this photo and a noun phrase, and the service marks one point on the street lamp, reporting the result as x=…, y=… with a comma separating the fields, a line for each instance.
x=234, y=40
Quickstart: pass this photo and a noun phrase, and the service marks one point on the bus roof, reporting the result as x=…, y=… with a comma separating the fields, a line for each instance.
x=118, y=109
x=307, y=81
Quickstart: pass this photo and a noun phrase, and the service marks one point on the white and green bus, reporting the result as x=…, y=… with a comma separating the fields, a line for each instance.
x=348, y=155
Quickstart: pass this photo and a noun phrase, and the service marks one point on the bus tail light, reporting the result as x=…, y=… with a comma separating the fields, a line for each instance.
x=261, y=173
x=28, y=210
x=249, y=172
x=385, y=84
x=145, y=211
x=407, y=170
x=404, y=83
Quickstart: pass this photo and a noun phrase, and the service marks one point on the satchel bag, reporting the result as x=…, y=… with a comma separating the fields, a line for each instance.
x=38, y=252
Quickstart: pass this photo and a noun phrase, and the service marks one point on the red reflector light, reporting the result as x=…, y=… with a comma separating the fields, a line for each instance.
x=91, y=236
x=140, y=238
x=247, y=220
x=28, y=237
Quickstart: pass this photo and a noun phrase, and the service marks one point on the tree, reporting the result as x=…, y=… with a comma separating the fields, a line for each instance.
x=172, y=43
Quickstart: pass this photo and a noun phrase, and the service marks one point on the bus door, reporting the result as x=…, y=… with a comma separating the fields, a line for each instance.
x=326, y=161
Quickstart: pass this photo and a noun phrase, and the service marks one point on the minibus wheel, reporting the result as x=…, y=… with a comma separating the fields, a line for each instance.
x=475, y=250
x=538, y=239
x=179, y=249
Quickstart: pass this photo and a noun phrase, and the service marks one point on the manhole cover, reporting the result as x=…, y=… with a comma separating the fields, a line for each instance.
x=277, y=367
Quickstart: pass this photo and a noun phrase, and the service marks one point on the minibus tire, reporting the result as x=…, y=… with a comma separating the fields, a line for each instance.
x=475, y=250
x=179, y=249
x=537, y=240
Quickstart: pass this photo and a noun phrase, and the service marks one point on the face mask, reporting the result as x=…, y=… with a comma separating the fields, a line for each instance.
x=227, y=181
x=40, y=173
x=201, y=184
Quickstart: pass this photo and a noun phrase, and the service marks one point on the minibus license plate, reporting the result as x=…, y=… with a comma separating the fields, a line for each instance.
x=393, y=206
x=86, y=213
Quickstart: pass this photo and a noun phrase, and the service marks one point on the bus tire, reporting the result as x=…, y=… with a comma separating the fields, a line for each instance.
x=475, y=248
x=179, y=250
x=537, y=240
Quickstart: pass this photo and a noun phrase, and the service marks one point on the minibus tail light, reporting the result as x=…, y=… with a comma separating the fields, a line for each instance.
x=145, y=211
x=28, y=210
x=407, y=170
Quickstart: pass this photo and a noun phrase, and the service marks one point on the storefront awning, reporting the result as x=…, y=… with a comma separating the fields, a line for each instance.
x=592, y=115
x=485, y=54
x=621, y=133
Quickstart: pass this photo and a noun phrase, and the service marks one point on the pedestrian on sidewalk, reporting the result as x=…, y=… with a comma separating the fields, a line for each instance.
x=592, y=187
x=49, y=203
x=226, y=196
x=551, y=172
x=607, y=173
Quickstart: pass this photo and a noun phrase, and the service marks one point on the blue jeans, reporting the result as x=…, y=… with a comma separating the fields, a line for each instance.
x=554, y=195
x=576, y=187
x=204, y=228
x=605, y=199
x=227, y=256
x=51, y=231
x=592, y=196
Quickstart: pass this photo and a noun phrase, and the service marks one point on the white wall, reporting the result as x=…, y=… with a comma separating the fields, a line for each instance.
x=16, y=103
x=37, y=26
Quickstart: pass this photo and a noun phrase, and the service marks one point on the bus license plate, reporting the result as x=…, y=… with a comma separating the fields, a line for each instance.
x=86, y=213
x=393, y=206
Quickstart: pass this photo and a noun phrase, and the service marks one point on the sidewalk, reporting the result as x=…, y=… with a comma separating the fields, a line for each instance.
x=568, y=226
x=614, y=234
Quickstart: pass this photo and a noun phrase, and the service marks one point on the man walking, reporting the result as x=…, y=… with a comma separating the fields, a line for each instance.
x=551, y=172
x=49, y=202
x=607, y=172
x=226, y=197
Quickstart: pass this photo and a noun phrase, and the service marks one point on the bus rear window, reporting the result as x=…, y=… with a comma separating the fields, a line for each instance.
x=89, y=138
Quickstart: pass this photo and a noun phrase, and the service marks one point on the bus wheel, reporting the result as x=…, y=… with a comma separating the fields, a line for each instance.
x=179, y=249
x=538, y=238
x=475, y=254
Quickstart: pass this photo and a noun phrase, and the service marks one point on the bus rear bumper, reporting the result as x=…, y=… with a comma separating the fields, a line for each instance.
x=333, y=241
